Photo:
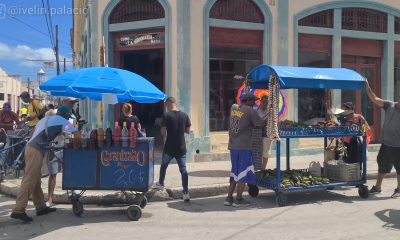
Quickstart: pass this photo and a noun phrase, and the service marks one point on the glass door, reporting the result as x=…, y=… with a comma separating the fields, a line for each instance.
x=370, y=68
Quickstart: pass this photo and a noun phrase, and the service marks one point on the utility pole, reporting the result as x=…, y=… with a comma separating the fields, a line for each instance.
x=57, y=53
x=65, y=65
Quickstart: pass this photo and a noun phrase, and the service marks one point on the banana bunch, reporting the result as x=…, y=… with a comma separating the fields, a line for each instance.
x=291, y=178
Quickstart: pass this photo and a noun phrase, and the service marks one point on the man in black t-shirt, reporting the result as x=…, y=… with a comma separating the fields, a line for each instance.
x=174, y=126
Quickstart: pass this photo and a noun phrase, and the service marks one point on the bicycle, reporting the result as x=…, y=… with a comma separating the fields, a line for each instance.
x=12, y=149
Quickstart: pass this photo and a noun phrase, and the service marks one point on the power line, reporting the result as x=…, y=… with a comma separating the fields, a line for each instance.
x=49, y=29
x=33, y=28
x=51, y=21
x=19, y=40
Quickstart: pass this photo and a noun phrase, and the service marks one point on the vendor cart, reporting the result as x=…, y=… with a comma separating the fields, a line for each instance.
x=322, y=78
x=128, y=169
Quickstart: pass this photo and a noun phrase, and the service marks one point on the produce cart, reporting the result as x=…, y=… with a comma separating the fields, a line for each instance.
x=335, y=175
x=129, y=169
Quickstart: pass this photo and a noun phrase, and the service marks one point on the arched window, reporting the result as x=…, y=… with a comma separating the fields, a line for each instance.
x=321, y=19
x=237, y=10
x=363, y=19
x=136, y=10
x=232, y=52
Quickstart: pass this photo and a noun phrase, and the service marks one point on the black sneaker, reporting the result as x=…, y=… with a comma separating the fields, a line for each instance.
x=375, y=190
x=21, y=216
x=396, y=193
x=45, y=210
x=241, y=202
x=228, y=201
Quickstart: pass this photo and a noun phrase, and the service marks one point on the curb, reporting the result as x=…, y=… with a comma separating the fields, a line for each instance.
x=153, y=195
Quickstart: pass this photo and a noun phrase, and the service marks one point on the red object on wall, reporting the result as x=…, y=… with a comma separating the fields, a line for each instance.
x=358, y=47
x=228, y=37
x=315, y=43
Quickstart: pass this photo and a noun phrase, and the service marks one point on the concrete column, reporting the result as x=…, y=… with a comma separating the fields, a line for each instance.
x=337, y=52
x=183, y=47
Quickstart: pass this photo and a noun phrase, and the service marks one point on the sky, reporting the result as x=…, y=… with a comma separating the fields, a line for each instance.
x=24, y=36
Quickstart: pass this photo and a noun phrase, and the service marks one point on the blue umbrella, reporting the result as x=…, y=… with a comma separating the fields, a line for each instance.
x=97, y=81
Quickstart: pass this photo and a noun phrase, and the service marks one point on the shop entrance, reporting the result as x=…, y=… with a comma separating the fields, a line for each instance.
x=149, y=64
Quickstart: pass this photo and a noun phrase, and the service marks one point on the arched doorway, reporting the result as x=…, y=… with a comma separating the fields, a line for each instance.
x=138, y=41
x=351, y=37
x=237, y=43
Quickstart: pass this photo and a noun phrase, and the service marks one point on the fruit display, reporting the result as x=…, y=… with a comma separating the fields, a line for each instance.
x=291, y=178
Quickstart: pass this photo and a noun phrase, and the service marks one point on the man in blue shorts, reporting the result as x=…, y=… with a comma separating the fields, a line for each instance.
x=389, y=153
x=243, y=118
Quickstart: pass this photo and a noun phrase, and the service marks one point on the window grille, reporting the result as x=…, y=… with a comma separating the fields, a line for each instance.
x=321, y=19
x=136, y=10
x=362, y=19
x=237, y=10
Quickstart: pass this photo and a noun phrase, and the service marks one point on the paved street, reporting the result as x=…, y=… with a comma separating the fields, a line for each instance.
x=318, y=215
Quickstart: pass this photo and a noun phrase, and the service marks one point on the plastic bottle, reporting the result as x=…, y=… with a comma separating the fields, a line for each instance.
x=100, y=137
x=117, y=135
x=108, y=136
x=77, y=140
x=124, y=135
x=132, y=135
x=93, y=139
x=68, y=141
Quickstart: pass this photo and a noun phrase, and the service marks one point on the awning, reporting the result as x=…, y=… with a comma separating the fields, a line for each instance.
x=304, y=77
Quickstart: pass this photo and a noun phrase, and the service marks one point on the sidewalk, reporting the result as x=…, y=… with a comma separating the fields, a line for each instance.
x=205, y=179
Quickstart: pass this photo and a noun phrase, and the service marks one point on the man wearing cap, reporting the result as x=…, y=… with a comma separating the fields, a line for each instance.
x=389, y=153
x=36, y=110
x=55, y=164
x=243, y=119
x=45, y=132
x=8, y=117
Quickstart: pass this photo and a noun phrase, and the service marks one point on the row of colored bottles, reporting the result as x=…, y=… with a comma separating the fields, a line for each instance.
x=98, y=138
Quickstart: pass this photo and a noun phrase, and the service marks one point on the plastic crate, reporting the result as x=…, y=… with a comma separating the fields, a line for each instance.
x=340, y=171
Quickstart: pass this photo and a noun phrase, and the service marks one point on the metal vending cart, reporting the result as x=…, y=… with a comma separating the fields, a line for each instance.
x=128, y=169
x=317, y=78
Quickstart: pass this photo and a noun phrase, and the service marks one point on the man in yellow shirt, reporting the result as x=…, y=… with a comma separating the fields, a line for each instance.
x=35, y=109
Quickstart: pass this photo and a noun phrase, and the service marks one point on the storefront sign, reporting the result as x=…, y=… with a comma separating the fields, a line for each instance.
x=121, y=156
x=141, y=39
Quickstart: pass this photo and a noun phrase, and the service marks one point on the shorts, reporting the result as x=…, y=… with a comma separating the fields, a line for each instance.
x=388, y=157
x=266, y=147
x=242, y=167
x=55, y=165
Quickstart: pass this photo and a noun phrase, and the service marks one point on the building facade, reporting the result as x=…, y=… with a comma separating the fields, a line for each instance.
x=192, y=49
x=10, y=87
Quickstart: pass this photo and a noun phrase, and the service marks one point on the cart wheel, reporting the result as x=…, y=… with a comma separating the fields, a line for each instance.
x=281, y=199
x=253, y=190
x=77, y=208
x=144, y=202
x=134, y=212
x=363, y=191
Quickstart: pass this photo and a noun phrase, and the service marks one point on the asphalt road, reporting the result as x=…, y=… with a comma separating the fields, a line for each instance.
x=338, y=214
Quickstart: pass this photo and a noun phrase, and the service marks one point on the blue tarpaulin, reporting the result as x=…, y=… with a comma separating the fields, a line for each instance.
x=304, y=77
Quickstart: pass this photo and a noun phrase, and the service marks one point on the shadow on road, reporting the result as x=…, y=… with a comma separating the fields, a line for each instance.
x=391, y=217
x=266, y=199
x=15, y=229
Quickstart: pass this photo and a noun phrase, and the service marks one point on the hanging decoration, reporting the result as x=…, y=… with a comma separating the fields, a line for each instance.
x=273, y=101
x=264, y=92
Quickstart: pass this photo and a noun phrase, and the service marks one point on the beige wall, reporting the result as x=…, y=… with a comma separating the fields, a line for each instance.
x=10, y=86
